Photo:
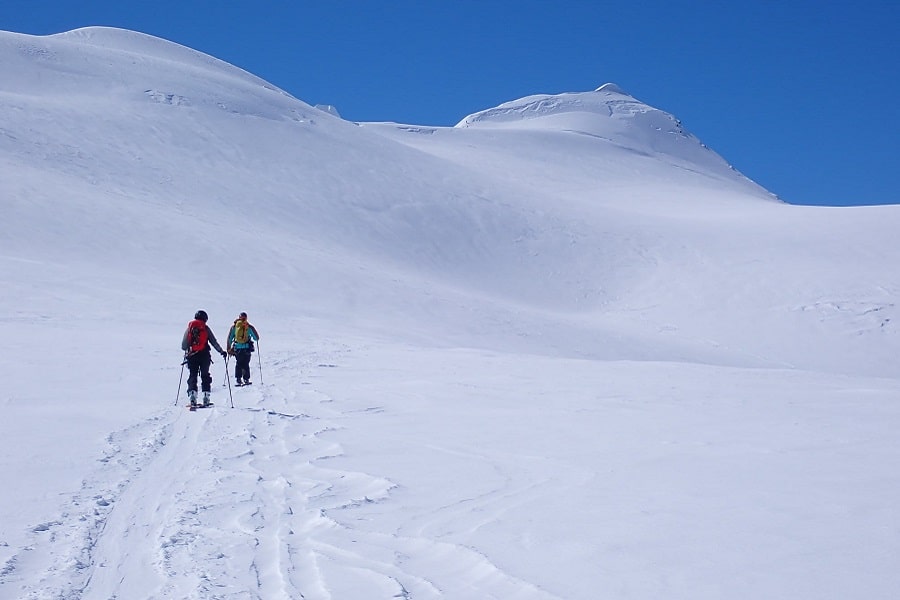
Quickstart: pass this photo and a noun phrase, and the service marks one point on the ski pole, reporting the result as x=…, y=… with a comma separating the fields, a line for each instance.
x=178, y=393
x=230, y=397
x=259, y=361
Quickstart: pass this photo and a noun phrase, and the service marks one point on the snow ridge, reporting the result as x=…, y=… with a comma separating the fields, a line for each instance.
x=112, y=40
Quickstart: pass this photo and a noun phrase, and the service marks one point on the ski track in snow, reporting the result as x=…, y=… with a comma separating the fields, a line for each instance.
x=234, y=503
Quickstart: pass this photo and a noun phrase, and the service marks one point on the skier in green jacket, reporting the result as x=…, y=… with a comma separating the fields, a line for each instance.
x=240, y=344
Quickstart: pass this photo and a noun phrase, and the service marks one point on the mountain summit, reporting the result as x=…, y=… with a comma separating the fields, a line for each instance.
x=608, y=113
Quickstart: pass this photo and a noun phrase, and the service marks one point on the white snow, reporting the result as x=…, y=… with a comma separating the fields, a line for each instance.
x=560, y=351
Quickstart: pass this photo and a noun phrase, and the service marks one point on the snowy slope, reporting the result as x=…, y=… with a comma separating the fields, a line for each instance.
x=561, y=350
x=670, y=239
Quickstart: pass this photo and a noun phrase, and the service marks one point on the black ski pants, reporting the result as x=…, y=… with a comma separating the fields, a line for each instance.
x=199, y=363
x=242, y=364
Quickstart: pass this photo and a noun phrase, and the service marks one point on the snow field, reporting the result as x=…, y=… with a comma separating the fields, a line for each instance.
x=561, y=351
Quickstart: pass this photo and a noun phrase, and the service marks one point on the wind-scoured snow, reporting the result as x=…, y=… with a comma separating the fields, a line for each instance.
x=562, y=350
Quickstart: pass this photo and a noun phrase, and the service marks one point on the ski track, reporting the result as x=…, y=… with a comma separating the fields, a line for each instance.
x=226, y=504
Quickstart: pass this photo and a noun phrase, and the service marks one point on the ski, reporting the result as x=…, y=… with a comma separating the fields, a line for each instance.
x=193, y=407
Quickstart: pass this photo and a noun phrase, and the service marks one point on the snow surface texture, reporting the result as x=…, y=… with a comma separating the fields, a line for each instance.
x=559, y=351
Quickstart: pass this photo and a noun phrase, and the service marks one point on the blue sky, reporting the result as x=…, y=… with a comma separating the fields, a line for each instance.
x=799, y=95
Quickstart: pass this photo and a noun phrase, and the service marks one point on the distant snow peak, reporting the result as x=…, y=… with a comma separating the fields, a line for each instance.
x=581, y=111
x=612, y=88
x=611, y=116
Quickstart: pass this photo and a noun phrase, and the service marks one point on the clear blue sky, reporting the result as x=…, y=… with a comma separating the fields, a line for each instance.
x=799, y=95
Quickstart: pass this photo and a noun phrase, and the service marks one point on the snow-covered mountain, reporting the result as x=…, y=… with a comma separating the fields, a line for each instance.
x=561, y=350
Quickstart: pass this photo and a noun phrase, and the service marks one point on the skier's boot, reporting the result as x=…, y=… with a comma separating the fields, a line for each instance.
x=192, y=395
x=206, y=399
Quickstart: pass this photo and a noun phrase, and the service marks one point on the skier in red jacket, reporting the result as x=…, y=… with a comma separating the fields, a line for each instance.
x=195, y=343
